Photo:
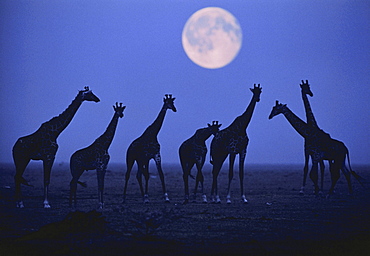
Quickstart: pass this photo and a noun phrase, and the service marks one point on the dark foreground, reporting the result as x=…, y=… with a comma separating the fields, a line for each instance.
x=277, y=220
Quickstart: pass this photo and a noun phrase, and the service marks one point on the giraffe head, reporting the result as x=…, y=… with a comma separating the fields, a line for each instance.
x=215, y=127
x=88, y=95
x=257, y=90
x=277, y=109
x=305, y=86
x=119, y=109
x=168, y=102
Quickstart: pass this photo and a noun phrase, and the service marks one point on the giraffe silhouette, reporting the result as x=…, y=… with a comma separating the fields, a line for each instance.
x=311, y=121
x=231, y=141
x=321, y=147
x=42, y=145
x=145, y=148
x=192, y=152
x=93, y=157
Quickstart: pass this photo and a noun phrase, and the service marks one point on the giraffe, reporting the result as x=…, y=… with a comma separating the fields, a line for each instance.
x=95, y=156
x=231, y=141
x=42, y=145
x=145, y=148
x=321, y=147
x=311, y=121
x=193, y=151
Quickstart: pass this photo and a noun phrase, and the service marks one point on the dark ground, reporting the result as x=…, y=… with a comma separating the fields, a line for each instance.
x=277, y=220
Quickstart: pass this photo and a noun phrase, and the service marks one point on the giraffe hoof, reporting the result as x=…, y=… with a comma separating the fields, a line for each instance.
x=101, y=206
x=46, y=204
x=146, y=199
x=185, y=201
x=244, y=200
x=218, y=200
x=215, y=199
x=204, y=199
x=20, y=204
x=166, y=198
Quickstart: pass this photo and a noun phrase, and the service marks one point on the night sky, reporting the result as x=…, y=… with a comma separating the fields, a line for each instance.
x=131, y=52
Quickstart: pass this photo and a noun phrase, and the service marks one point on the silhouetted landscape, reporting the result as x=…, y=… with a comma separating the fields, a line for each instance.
x=276, y=221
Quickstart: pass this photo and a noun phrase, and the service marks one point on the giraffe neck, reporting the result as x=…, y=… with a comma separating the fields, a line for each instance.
x=201, y=135
x=298, y=124
x=309, y=114
x=242, y=121
x=156, y=126
x=59, y=123
x=106, y=138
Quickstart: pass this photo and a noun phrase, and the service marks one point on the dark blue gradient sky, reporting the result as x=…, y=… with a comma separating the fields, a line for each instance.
x=131, y=52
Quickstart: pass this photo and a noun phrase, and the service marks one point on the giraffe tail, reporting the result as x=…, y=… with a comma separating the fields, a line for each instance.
x=191, y=176
x=358, y=177
x=84, y=184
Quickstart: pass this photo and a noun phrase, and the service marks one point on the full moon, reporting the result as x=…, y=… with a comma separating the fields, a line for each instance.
x=212, y=37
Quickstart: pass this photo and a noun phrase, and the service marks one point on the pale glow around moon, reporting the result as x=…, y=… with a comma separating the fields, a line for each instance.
x=212, y=37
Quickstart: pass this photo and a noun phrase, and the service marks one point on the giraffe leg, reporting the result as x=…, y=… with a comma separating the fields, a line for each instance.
x=76, y=174
x=145, y=172
x=347, y=175
x=73, y=192
x=214, y=193
x=47, y=171
x=335, y=174
x=241, y=175
x=129, y=164
x=139, y=174
x=20, y=166
x=231, y=175
x=186, y=171
x=217, y=164
x=305, y=171
x=314, y=176
x=200, y=179
x=157, y=160
x=322, y=170
x=100, y=172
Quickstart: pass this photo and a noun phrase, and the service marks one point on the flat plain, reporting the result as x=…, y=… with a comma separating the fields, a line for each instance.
x=276, y=221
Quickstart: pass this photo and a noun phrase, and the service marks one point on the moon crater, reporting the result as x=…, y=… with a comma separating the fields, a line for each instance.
x=212, y=37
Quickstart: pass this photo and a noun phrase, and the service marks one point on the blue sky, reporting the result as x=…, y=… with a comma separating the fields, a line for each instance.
x=131, y=52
